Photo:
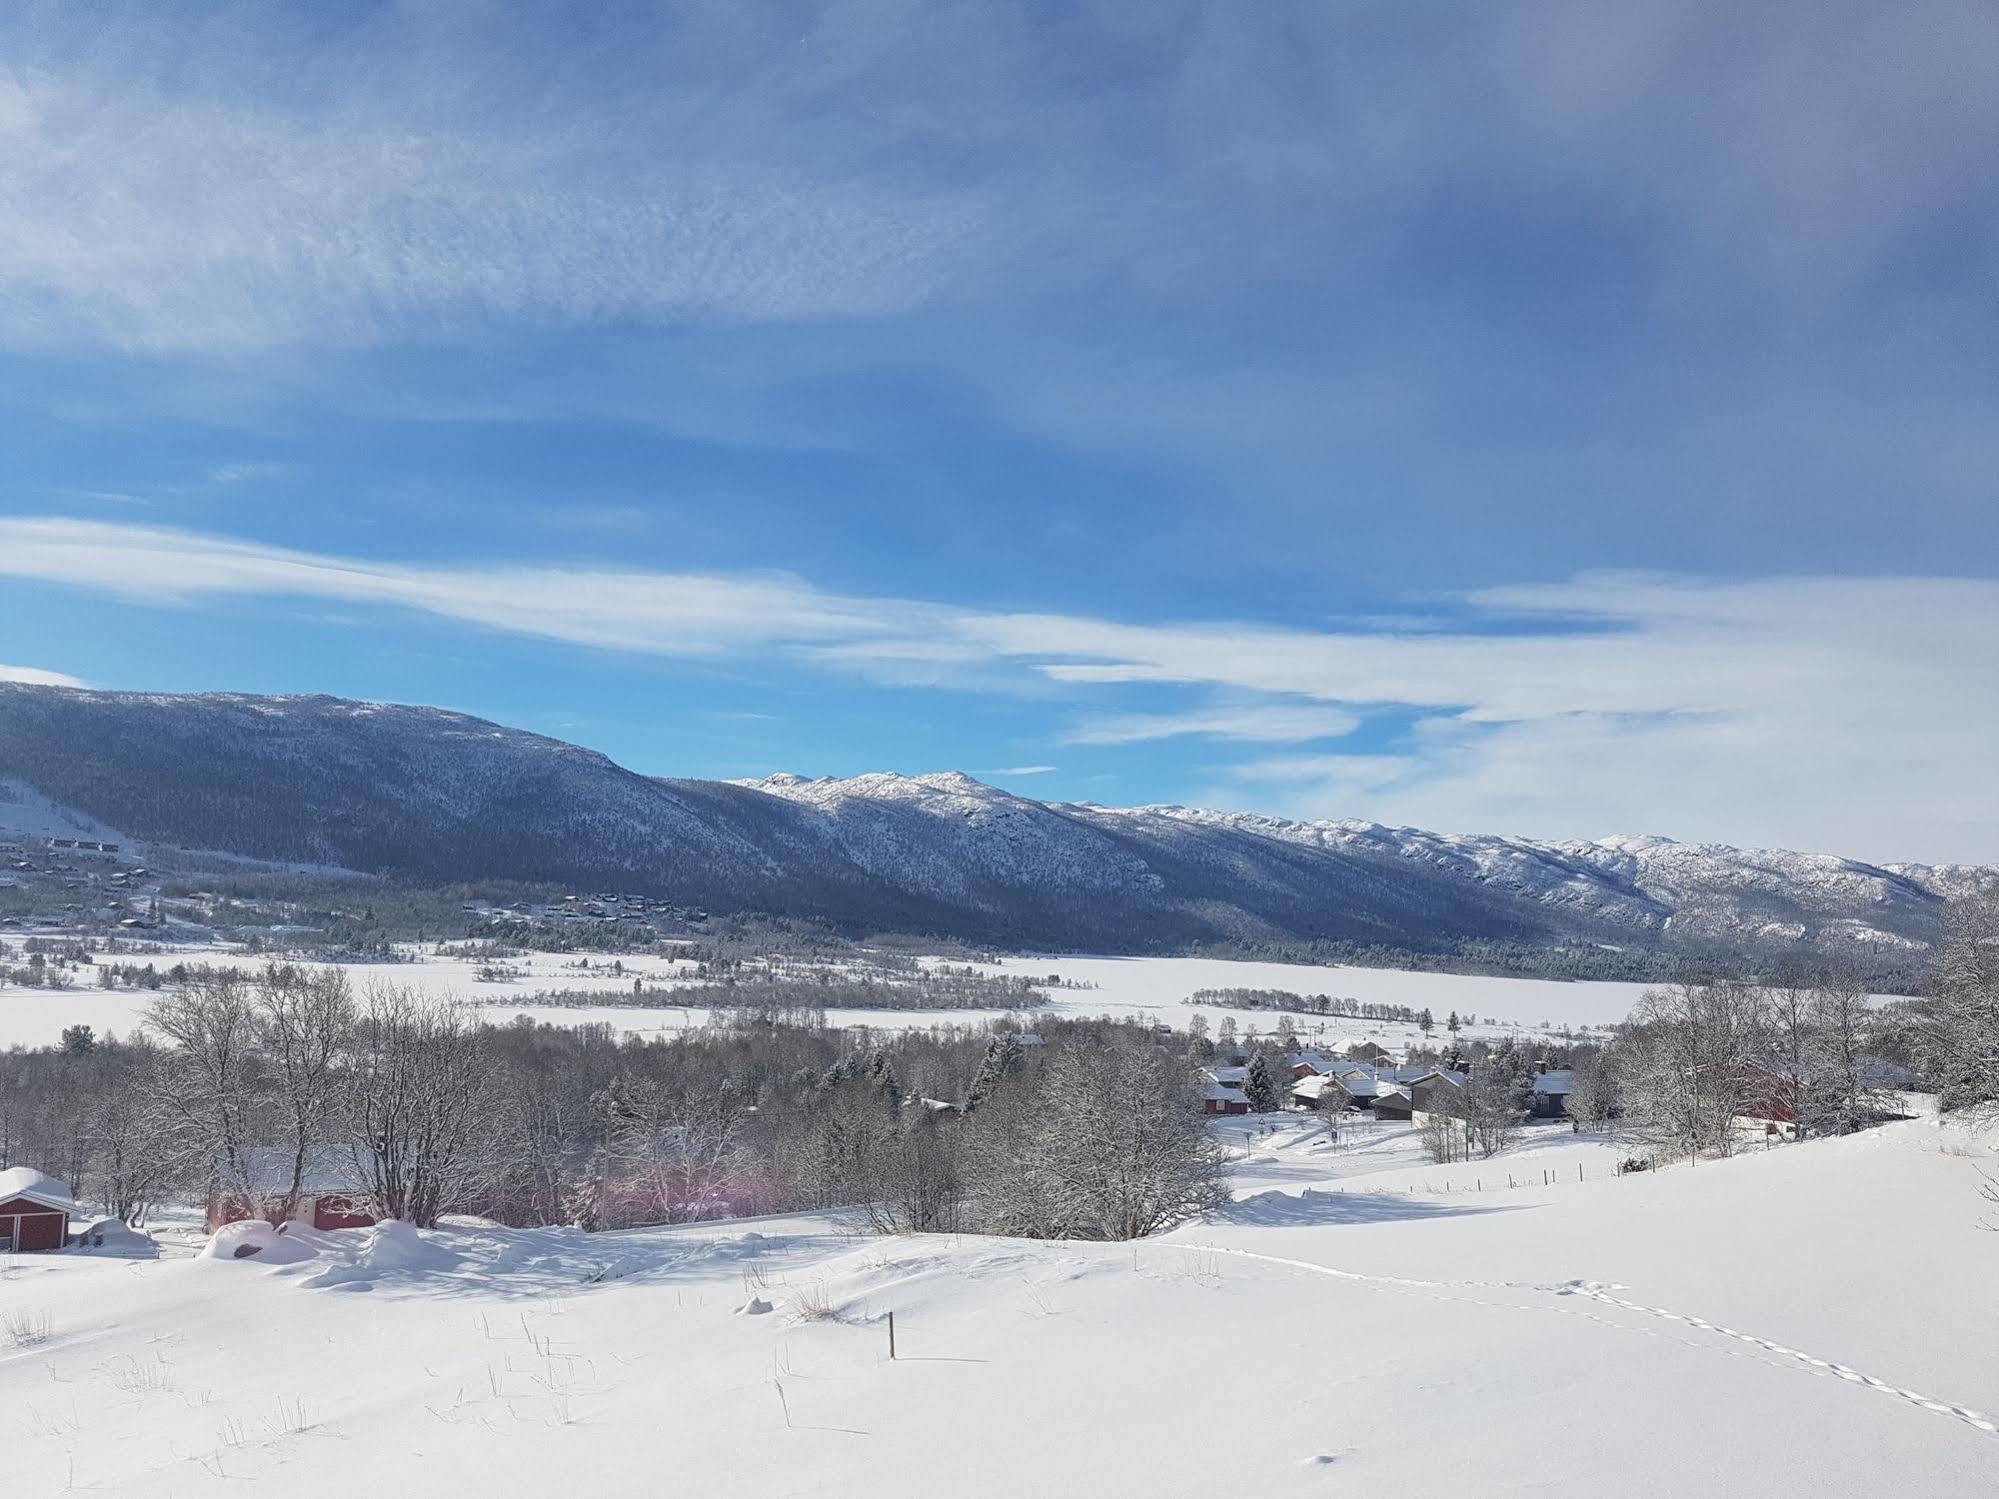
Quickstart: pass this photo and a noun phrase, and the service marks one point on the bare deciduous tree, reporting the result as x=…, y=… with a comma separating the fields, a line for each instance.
x=1694, y=1059
x=131, y=1160
x=301, y=1019
x=1846, y=1096
x=1958, y=1040
x=1593, y=1099
x=416, y=1102
x=1443, y=1138
x=673, y=1152
x=1119, y=1148
x=201, y=1087
x=1493, y=1112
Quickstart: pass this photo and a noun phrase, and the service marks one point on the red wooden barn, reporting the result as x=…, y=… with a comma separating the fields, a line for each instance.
x=1222, y=1090
x=34, y=1211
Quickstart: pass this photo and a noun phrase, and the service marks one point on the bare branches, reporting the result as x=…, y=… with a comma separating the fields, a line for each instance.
x=1958, y=1037
x=1692, y=1063
x=1113, y=1150
x=302, y=1020
x=202, y=1087
x=416, y=1102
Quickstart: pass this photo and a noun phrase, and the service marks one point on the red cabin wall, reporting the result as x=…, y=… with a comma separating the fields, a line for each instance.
x=340, y=1212
x=39, y=1227
x=326, y=1211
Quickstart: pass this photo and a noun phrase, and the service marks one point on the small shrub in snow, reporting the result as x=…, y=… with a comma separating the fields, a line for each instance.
x=25, y=1329
x=149, y=1376
x=812, y=1305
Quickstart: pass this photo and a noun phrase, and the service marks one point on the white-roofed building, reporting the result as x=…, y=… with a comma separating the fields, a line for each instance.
x=35, y=1211
x=1551, y=1092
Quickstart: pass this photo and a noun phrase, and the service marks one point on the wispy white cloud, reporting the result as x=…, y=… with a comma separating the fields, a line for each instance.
x=417, y=182
x=246, y=471
x=658, y=613
x=260, y=181
x=1854, y=713
x=35, y=676
x=1272, y=723
x=1025, y=770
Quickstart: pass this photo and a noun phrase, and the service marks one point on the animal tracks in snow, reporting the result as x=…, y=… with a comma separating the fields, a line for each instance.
x=1604, y=1293
x=1966, y=1414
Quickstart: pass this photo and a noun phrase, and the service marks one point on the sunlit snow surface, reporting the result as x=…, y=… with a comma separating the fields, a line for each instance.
x=1799, y=1322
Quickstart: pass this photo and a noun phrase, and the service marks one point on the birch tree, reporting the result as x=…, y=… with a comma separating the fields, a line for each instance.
x=1958, y=1036
x=1846, y=1098
x=674, y=1151
x=1120, y=1147
x=416, y=1105
x=300, y=1020
x=201, y=1085
x=1593, y=1099
x=1695, y=1058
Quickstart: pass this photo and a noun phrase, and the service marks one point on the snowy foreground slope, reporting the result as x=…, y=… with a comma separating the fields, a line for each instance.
x=1814, y=1320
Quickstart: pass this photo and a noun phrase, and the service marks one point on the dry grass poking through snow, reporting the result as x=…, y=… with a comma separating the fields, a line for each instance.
x=812, y=1304
x=21, y=1327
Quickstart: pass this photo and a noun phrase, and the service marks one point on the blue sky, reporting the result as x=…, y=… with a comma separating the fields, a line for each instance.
x=1559, y=419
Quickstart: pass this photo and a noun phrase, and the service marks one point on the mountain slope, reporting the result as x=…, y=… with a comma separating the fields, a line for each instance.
x=429, y=794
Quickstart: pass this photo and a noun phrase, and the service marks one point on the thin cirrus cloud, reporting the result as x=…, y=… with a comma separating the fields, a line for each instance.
x=414, y=181
x=1848, y=713
x=1275, y=723
x=265, y=183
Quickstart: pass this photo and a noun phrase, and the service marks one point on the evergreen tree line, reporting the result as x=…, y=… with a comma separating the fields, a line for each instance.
x=1307, y=1004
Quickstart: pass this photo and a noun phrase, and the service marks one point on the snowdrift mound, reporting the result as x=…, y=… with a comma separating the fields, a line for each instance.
x=396, y=1245
x=255, y=1240
x=108, y=1238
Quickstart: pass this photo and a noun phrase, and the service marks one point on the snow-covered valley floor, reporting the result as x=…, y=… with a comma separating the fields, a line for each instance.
x=1811, y=1320
x=1145, y=988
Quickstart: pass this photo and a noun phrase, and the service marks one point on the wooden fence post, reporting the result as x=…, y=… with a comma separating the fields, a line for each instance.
x=891, y=1334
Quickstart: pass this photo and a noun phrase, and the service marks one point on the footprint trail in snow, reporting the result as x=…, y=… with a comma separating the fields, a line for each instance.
x=1605, y=1293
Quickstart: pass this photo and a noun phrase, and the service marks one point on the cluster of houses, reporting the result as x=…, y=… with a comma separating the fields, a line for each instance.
x=1368, y=1081
x=605, y=908
x=100, y=876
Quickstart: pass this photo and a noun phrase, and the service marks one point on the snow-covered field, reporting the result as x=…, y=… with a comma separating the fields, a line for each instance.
x=1810, y=1320
x=1156, y=987
x=1151, y=988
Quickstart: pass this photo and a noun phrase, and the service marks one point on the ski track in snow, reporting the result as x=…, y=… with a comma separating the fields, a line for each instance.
x=1603, y=1292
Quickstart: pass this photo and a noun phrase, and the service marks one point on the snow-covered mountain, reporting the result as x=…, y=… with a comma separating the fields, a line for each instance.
x=426, y=793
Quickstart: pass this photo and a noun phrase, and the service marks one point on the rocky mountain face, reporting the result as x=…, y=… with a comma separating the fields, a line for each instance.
x=427, y=794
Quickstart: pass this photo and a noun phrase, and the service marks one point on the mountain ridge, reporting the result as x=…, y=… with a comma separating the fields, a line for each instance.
x=429, y=793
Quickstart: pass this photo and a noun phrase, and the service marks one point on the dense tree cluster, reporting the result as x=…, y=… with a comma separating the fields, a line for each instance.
x=1889, y=971
x=1955, y=1027
x=809, y=993
x=1305, y=1004
x=1810, y=1055
x=1092, y=1130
